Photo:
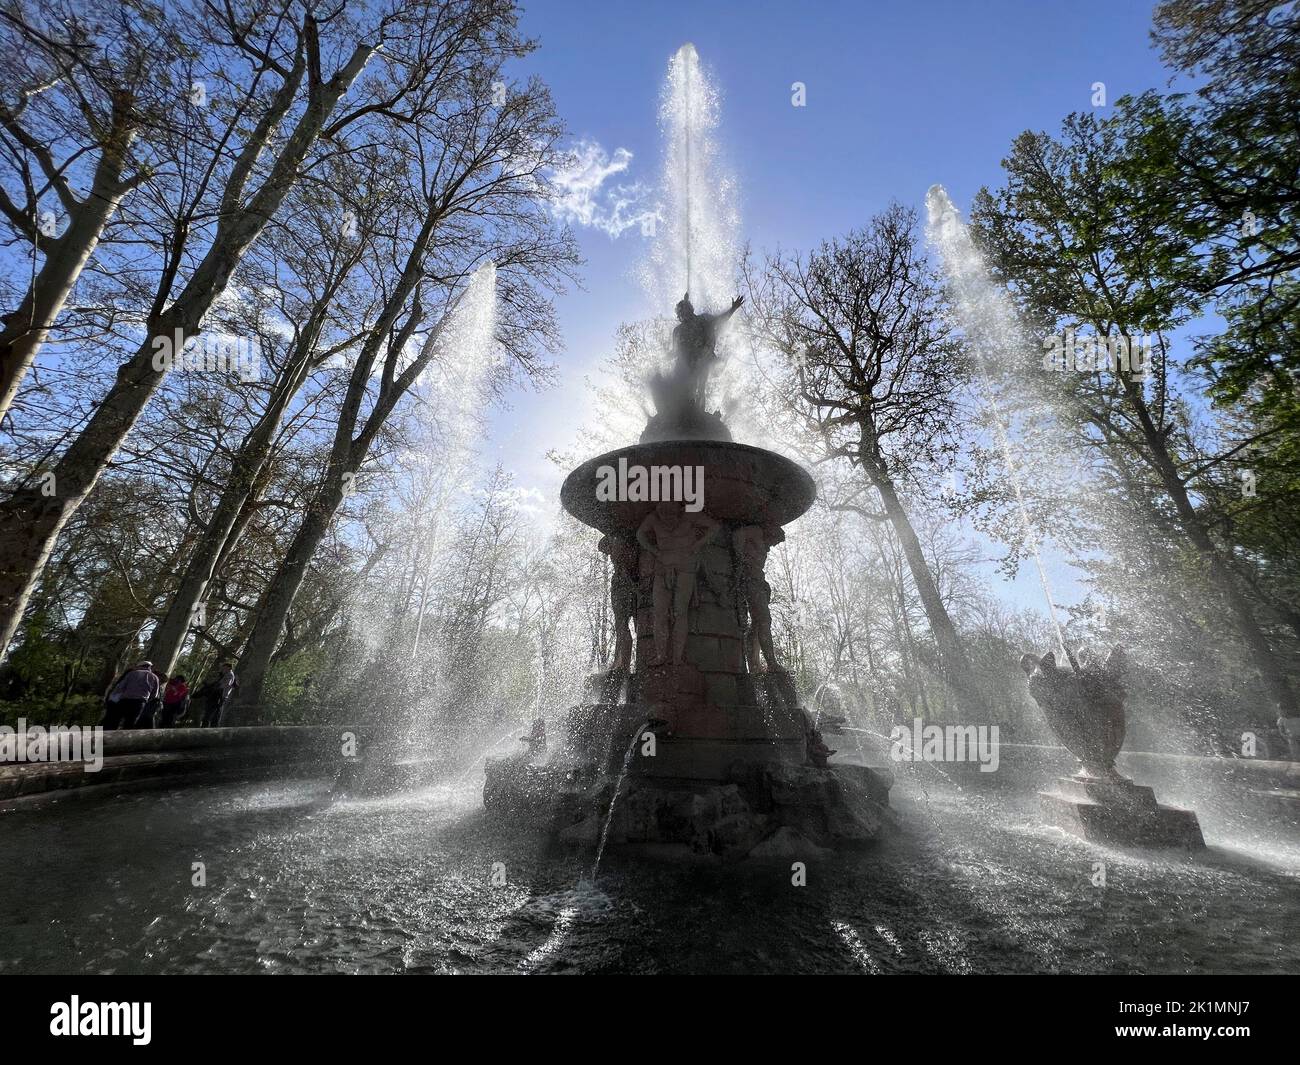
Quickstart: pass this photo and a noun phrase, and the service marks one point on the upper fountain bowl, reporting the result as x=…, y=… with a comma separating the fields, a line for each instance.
x=742, y=485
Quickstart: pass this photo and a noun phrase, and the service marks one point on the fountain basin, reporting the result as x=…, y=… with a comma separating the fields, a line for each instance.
x=143, y=759
x=742, y=485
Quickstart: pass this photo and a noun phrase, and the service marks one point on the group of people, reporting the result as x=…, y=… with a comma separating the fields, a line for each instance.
x=144, y=697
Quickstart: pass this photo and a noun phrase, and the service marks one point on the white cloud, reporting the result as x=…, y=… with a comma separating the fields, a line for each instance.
x=582, y=198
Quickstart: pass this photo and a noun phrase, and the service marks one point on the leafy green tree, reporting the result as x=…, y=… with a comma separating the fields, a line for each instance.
x=1073, y=234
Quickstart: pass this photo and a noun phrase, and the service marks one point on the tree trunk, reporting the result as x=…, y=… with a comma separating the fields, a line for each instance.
x=952, y=654
x=27, y=327
x=34, y=515
x=273, y=608
x=347, y=455
x=224, y=526
x=171, y=632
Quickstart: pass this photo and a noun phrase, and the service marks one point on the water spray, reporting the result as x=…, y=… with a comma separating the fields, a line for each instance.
x=962, y=259
x=472, y=333
x=701, y=234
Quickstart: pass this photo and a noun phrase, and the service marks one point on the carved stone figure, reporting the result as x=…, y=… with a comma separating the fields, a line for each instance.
x=622, y=596
x=1084, y=704
x=752, y=543
x=675, y=539
x=818, y=751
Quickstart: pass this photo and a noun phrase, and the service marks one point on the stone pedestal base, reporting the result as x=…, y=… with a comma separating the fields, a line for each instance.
x=712, y=760
x=700, y=745
x=1118, y=812
x=767, y=809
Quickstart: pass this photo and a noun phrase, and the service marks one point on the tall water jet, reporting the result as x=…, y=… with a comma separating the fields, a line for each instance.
x=697, y=242
x=991, y=324
x=439, y=467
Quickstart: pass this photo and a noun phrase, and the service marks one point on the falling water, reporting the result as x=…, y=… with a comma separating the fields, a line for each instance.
x=618, y=787
x=852, y=731
x=539, y=667
x=991, y=321
x=697, y=242
x=453, y=390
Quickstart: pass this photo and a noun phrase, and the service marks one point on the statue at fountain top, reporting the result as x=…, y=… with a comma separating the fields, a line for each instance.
x=694, y=339
x=680, y=396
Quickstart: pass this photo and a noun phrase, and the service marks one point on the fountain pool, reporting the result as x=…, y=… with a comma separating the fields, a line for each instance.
x=975, y=882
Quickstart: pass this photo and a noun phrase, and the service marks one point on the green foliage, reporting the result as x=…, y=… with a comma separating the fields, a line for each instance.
x=289, y=697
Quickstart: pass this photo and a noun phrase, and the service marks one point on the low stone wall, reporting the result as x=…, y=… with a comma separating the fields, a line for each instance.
x=152, y=758
x=1039, y=764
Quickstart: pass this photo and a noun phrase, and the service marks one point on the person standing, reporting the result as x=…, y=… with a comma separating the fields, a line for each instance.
x=214, y=693
x=129, y=696
x=208, y=696
x=153, y=705
x=175, y=701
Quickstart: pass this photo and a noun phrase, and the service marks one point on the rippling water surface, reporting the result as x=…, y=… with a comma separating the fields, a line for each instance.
x=295, y=883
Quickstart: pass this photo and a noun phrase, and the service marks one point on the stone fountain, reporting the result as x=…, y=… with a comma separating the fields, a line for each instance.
x=696, y=736
x=1084, y=704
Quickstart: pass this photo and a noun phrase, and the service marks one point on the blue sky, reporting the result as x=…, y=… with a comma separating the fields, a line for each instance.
x=899, y=96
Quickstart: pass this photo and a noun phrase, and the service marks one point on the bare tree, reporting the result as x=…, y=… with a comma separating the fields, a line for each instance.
x=307, y=273
x=309, y=64
x=875, y=368
x=476, y=196
x=88, y=78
